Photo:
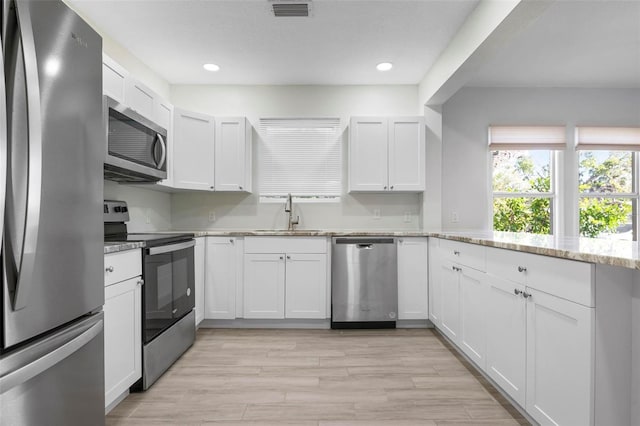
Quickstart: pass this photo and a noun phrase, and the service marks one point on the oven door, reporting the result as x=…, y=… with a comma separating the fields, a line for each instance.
x=168, y=286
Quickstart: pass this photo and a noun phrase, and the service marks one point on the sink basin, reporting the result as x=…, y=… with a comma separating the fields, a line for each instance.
x=285, y=231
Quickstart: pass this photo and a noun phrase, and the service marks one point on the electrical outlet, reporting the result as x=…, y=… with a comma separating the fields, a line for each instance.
x=376, y=214
x=147, y=218
x=407, y=217
x=212, y=215
x=454, y=217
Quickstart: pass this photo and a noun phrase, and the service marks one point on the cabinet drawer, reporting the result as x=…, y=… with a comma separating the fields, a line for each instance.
x=285, y=245
x=121, y=266
x=564, y=278
x=471, y=255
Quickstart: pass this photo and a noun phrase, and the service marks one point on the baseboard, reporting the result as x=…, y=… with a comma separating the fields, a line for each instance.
x=267, y=323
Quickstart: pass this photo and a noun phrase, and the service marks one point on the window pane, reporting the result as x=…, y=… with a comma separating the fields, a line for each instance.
x=605, y=171
x=606, y=218
x=522, y=171
x=522, y=214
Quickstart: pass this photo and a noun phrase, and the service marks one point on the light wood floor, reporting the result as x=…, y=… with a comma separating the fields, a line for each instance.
x=319, y=378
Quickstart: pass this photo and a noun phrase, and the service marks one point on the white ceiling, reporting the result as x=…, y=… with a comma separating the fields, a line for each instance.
x=340, y=44
x=573, y=44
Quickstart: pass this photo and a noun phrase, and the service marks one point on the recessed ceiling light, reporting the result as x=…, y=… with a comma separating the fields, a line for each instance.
x=384, y=66
x=211, y=67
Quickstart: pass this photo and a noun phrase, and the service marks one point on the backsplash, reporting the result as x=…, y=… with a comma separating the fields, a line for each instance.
x=148, y=210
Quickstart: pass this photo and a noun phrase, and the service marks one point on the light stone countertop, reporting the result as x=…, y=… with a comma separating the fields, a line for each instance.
x=592, y=250
x=116, y=247
x=609, y=252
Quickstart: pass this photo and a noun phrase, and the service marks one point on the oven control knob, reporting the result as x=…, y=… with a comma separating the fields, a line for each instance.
x=188, y=292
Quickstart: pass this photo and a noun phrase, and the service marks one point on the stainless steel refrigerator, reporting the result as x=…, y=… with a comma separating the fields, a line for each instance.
x=51, y=160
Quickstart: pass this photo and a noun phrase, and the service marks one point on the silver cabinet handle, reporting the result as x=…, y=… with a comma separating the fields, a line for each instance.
x=288, y=257
x=281, y=258
x=140, y=283
x=174, y=311
x=391, y=186
x=211, y=187
x=231, y=240
x=240, y=187
x=517, y=292
x=527, y=295
x=109, y=269
x=385, y=188
x=456, y=252
x=455, y=268
x=522, y=269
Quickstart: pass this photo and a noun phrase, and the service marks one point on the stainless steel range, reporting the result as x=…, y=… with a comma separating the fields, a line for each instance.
x=168, y=317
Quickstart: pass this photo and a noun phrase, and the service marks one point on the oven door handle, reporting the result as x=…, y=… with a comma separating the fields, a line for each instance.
x=171, y=247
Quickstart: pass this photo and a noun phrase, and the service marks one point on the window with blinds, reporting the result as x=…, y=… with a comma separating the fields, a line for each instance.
x=300, y=156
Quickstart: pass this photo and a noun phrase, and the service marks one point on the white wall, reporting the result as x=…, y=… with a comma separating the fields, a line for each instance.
x=635, y=354
x=241, y=211
x=467, y=115
x=148, y=210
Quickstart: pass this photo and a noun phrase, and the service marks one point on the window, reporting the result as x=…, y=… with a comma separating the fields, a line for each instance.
x=301, y=157
x=608, y=181
x=523, y=177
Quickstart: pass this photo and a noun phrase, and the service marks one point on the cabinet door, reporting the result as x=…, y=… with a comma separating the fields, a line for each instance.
x=413, y=300
x=368, y=168
x=264, y=276
x=122, y=337
x=473, y=311
x=450, y=316
x=231, y=154
x=193, y=150
x=163, y=116
x=506, y=322
x=435, y=282
x=560, y=349
x=221, y=278
x=139, y=97
x=406, y=154
x=199, y=266
x=306, y=286
x=113, y=79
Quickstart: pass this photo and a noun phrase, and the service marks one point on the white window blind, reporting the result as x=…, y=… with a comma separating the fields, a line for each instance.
x=527, y=137
x=301, y=156
x=609, y=138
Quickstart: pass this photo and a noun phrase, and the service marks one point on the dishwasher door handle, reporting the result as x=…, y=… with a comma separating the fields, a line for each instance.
x=364, y=246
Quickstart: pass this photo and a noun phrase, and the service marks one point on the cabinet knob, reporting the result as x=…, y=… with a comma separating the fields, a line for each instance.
x=231, y=240
x=281, y=258
x=391, y=186
x=526, y=295
x=522, y=269
x=288, y=257
x=455, y=268
x=517, y=292
x=400, y=240
x=211, y=187
x=140, y=283
x=109, y=269
x=240, y=187
x=456, y=252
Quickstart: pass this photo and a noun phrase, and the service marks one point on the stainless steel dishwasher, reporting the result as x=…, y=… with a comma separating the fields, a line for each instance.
x=364, y=282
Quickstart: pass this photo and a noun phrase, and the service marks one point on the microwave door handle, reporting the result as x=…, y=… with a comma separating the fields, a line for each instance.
x=171, y=247
x=34, y=174
x=163, y=145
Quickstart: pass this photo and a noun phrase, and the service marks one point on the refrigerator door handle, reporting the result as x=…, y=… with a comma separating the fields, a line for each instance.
x=34, y=188
x=3, y=142
x=26, y=372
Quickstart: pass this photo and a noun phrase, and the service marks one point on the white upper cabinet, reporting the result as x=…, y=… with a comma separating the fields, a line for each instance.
x=139, y=97
x=413, y=303
x=193, y=150
x=406, y=154
x=386, y=154
x=163, y=116
x=233, y=154
x=113, y=79
x=368, y=170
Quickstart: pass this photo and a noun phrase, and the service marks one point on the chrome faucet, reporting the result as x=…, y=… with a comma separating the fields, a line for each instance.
x=288, y=208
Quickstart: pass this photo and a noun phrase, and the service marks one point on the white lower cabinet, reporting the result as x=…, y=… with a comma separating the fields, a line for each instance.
x=413, y=300
x=264, y=278
x=223, y=256
x=306, y=286
x=122, y=323
x=506, y=337
x=538, y=347
x=199, y=273
x=559, y=360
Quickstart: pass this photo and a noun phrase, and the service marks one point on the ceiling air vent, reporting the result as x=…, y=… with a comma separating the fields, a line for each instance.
x=293, y=9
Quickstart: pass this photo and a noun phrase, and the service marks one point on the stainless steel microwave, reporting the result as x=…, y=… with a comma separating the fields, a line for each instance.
x=136, y=147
